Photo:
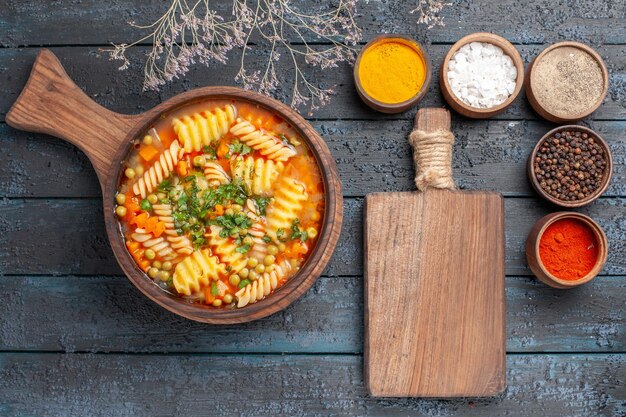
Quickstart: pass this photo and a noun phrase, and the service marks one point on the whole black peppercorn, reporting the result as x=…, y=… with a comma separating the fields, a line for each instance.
x=569, y=165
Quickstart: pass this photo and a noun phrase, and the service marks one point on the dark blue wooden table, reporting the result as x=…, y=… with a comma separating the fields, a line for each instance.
x=76, y=338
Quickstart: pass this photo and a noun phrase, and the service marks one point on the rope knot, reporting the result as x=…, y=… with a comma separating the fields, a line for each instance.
x=432, y=157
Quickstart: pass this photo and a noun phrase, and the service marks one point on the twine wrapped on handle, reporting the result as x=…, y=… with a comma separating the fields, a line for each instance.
x=432, y=157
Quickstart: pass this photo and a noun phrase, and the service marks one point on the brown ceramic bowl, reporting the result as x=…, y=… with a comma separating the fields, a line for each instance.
x=466, y=109
x=395, y=107
x=534, y=260
x=605, y=180
x=542, y=111
x=51, y=103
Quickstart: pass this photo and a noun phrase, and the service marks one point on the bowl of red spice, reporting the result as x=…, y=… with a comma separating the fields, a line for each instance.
x=566, y=249
x=570, y=166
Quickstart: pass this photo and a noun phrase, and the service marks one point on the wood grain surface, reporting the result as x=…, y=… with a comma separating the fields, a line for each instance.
x=434, y=289
x=76, y=338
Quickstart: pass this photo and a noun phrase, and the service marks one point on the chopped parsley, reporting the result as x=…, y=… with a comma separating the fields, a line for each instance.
x=243, y=248
x=297, y=233
x=214, y=290
x=238, y=148
x=233, y=224
x=267, y=239
x=280, y=233
x=145, y=205
x=262, y=203
x=165, y=186
x=209, y=152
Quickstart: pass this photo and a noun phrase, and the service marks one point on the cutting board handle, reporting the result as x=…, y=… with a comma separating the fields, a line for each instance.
x=51, y=103
x=432, y=143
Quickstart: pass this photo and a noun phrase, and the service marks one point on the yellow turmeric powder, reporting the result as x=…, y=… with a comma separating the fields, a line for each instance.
x=392, y=70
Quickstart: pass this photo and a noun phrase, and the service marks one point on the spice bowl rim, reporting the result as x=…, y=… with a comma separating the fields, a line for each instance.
x=475, y=112
x=391, y=108
x=534, y=259
x=608, y=173
x=542, y=111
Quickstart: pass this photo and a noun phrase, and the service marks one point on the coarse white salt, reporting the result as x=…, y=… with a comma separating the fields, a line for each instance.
x=481, y=75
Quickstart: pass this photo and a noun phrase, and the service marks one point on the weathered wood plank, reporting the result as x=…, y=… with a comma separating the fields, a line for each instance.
x=121, y=91
x=236, y=385
x=65, y=237
x=371, y=156
x=107, y=314
x=102, y=22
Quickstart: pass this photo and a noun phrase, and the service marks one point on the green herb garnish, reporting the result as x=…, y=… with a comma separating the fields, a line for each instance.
x=145, y=205
x=238, y=148
x=214, y=290
x=297, y=233
x=243, y=248
x=262, y=203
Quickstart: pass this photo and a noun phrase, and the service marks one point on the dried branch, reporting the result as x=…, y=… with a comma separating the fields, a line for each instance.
x=429, y=11
x=190, y=32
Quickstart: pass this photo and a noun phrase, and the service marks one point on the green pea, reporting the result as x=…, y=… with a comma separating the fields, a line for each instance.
x=217, y=302
x=130, y=173
x=244, y=273
x=147, y=140
x=260, y=268
x=311, y=232
x=272, y=249
x=164, y=275
x=199, y=161
x=157, y=264
x=229, y=212
x=282, y=247
x=145, y=205
x=120, y=198
x=167, y=265
x=153, y=272
x=253, y=275
x=149, y=254
x=252, y=262
x=153, y=199
x=269, y=269
x=243, y=283
x=248, y=240
x=139, y=170
x=228, y=298
x=234, y=280
x=120, y=211
x=269, y=260
x=237, y=208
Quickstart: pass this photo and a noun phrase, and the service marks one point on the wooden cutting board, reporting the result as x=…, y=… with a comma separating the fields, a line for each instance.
x=434, y=289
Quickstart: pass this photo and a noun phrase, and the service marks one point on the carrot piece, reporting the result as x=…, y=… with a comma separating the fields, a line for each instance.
x=208, y=297
x=144, y=265
x=148, y=152
x=222, y=150
x=158, y=229
x=219, y=209
x=140, y=220
x=181, y=168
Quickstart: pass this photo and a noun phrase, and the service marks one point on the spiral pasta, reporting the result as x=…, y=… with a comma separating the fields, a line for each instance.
x=180, y=244
x=264, y=285
x=226, y=249
x=195, y=272
x=258, y=174
x=215, y=174
x=158, y=244
x=287, y=204
x=202, y=129
x=258, y=139
x=159, y=171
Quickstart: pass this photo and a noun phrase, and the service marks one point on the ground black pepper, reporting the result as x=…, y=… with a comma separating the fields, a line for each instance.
x=570, y=165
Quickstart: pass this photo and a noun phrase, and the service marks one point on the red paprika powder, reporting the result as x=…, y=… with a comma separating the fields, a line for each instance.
x=568, y=249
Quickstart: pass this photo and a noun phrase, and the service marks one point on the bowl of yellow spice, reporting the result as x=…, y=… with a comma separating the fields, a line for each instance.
x=392, y=73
